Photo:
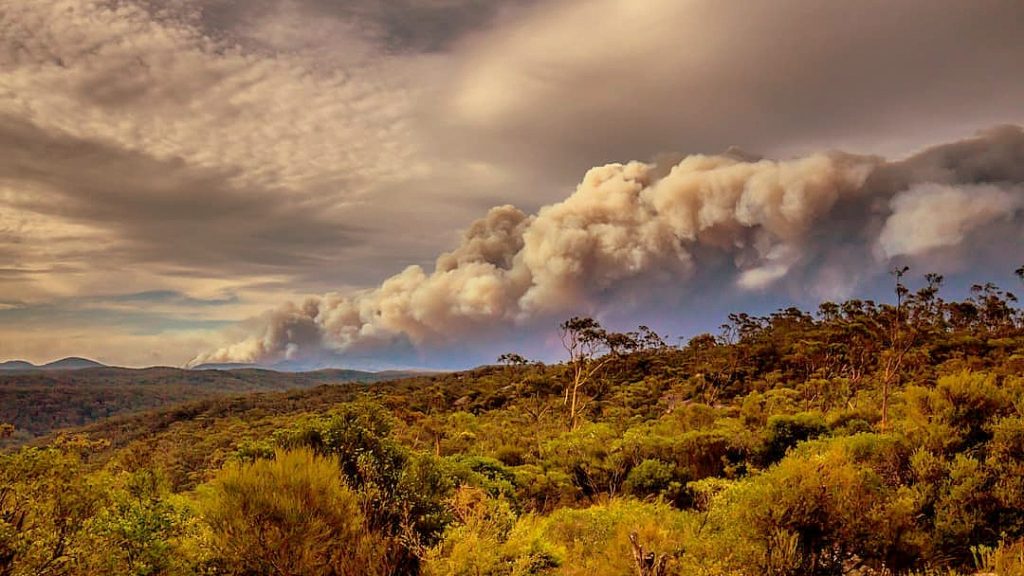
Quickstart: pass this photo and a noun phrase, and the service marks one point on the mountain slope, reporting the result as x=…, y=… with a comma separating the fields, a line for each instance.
x=69, y=363
x=40, y=400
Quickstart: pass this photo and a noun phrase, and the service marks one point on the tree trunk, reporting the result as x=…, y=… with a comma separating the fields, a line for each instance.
x=647, y=563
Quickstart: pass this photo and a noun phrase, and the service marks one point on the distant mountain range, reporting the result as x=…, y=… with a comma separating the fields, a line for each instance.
x=70, y=363
x=76, y=363
x=39, y=399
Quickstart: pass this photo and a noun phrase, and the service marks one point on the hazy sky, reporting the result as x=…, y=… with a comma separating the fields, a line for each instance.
x=170, y=170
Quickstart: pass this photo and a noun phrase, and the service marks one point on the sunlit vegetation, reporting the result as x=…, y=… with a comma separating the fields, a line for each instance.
x=864, y=438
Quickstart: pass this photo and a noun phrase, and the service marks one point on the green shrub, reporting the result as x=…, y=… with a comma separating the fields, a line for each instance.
x=649, y=478
x=784, y=432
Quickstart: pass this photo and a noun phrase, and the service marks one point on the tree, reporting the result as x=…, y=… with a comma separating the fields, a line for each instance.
x=401, y=494
x=511, y=359
x=46, y=501
x=137, y=532
x=647, y=563
x=899, y=344
x=584, y=339
x=995, y=308
x=513, y=363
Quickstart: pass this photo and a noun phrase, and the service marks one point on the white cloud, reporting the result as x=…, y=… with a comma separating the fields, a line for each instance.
x=934, y=216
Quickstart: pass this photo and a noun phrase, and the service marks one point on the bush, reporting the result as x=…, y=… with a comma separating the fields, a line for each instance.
x=818, y=511
x=784, y=432
x=291, y=515
x=649, y=478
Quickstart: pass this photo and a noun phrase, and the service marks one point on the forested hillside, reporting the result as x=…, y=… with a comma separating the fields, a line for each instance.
x=38, y=402
x=861, y=438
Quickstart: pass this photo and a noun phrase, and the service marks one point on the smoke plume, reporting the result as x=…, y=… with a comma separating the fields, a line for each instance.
x=637, y=233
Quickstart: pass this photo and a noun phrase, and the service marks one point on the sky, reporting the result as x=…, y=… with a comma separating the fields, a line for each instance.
x=429, y=183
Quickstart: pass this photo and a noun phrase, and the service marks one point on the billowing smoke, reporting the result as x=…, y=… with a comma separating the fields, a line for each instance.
x=636, y=233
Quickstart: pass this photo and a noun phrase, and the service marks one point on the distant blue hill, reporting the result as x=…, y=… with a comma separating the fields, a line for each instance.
x=223, y=366
x=71, y=363
x=284, y=366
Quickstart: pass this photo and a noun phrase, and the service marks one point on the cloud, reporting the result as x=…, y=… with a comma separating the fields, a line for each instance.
x=404, y=26
x=119, y=346
x=161, y=211
x=112, y=72
x=221, y=136
x=935, y=216
x=72, y=314
x=416, y=25
x=570, y=83
x=638, y=228
x=171, y=297
x=151, y=146
x=164, y=327
x=152, y=139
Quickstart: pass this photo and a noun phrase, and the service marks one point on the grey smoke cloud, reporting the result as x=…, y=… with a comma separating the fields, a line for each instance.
x=934, y=216
x=638, y=226
x=570, y=84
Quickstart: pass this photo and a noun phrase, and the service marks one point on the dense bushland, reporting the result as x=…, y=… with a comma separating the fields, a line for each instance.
x=864, y=438
x=38, y=402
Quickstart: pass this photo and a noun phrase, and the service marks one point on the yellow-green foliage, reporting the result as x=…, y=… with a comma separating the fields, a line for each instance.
x=46, y=500
x=476, y=543
x=592, y=541
x=142, y=530
x=952, y=416
x=818, y=510
x=291, y=515
x=596, y=539
x=1005, y=560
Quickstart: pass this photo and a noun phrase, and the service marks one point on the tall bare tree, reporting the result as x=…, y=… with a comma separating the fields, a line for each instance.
x=899, y=344
x=584, y=339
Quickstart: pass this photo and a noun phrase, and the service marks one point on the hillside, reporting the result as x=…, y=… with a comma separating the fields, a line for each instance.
x=863, y=438
x=39, y=401
x=70, y=363
x=17, y=365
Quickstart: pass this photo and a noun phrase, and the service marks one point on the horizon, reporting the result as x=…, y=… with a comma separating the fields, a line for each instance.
x=957, y=293
x=373, y=186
